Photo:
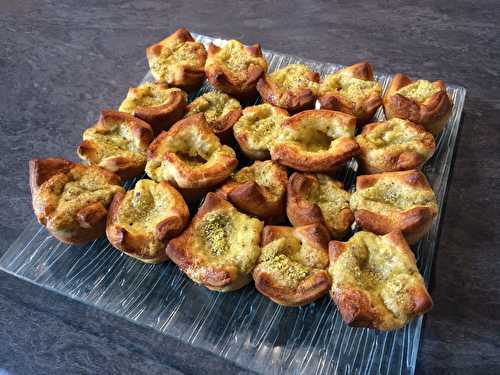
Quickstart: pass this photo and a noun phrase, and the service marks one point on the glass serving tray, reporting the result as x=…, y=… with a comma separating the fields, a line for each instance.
x=243, y=326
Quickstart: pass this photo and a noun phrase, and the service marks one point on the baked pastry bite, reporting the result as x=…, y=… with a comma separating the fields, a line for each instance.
x=71, y=200
x=315, y=141
x=422, y=102
x=352, y=90
x=258, y=190
x=142, y=220
x=392, y=201
x=292, y=267
x=118, y=142
x=178, y=60
x=318, y=198
x=220, y=247
x=221, y=112
x=257, y=128
x=235, y=68
x=190, y=156
x=394, y=145
x=375, y=281
x=293, y=88
x=156, y=103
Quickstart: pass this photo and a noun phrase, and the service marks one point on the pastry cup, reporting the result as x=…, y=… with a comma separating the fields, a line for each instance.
x=292, y=267
x=142, y=220
x=71, y=200
x=118, y=142
x=293, y=88
x=352, y=90
x=258, y=190
x=421, y=101
x=257, y=128
x=386, y=202
x=317, y=198
x=178, y=60
x=316, y=141
x=220, y=247
x=190, y=156
x=221, y=113
x=235, y=68
x=375, y=281
x=155, y=103
x=394, y=145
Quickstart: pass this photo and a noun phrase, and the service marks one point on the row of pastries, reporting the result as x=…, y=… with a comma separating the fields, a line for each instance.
x=190, y=151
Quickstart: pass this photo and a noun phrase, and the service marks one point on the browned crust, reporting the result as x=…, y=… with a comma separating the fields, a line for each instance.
x=413, y=223
x=133, y=243
x=300, y=211
x=355, y=306
x=162, y=117
x=180, y=251
x=253, y=199
x=399, y=161
x=292, y=100
x=125, y=167
x=242, y=139
x=310, y=289
x=363, y=110
x=91, y=219
x=325, y=161
x=433, y=113
x=193, y=178
x=188, y=78
x=241, y=85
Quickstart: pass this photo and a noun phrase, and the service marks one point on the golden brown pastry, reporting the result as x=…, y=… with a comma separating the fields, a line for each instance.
x=352, y=90
x=317, y=198
x=293, y=88
x=392, y=201
x=292, y=267
x=422, y=102
x=118, y=142
x=178, y=60
x=220, y=247
x=71, y=200
x=235, y=68
x=315, y=141
x=375, y=281
x=190, y=156
x=258, y=190
x=142, y=220
x=155, y=103
x=394, y=145
x=220, y=110
x=257, y=128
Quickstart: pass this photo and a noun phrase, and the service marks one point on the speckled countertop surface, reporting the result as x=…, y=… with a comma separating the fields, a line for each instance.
x=63, y=61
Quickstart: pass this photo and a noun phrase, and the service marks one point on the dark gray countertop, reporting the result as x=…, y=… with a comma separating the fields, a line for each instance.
x=63, y=61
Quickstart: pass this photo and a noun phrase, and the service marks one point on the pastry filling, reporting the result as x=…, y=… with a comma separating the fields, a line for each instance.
x=260, y=126
x=331, y=199
x=183, y=54
x=419, y=90
x=229, y=237
x=263, y=173
x=353, y=89
x=146, y=95
x=374, y=265
x=115, y=141
x=237, y=58
x=387, y=196
x=294, y=76
x=214, y=105
x=290, y=261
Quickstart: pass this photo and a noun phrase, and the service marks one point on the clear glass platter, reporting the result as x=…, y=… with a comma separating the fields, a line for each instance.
x=243, y=326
